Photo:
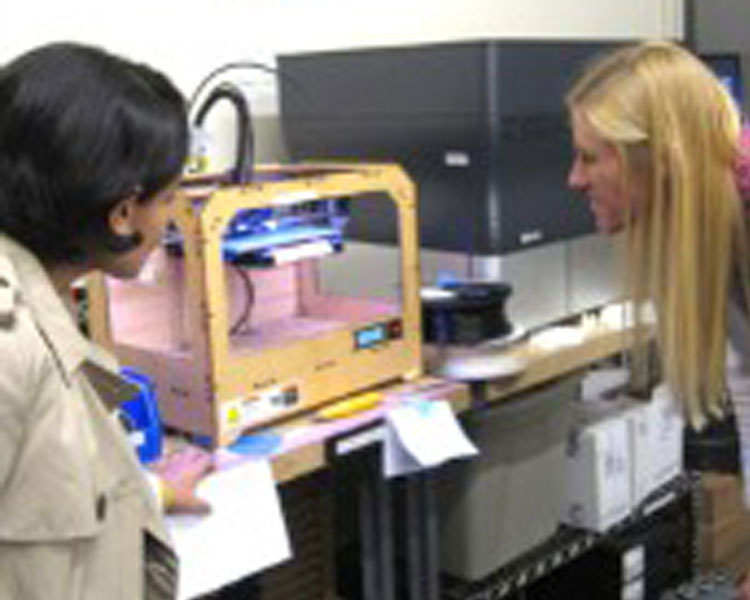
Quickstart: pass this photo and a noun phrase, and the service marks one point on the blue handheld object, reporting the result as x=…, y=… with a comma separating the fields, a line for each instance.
x=141, y=416
x=258, y=444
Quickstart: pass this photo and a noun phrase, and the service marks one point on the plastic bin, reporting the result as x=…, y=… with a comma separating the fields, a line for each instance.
x=500, y=505
x=141, y=416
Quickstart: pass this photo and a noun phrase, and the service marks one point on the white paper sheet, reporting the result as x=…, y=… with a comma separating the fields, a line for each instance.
x=422, y=434
x=245, y=532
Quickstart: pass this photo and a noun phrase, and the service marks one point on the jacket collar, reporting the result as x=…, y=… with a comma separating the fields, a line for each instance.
x=52, y=316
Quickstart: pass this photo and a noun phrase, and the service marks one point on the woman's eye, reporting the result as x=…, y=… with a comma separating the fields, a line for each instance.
x=587, y=158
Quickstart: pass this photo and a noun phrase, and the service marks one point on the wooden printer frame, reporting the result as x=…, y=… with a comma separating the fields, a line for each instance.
x=174, y=323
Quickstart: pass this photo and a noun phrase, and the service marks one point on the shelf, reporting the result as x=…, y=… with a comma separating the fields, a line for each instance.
x=562, y=548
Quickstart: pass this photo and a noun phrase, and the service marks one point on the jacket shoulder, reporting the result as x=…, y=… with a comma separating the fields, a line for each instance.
x=8, y=292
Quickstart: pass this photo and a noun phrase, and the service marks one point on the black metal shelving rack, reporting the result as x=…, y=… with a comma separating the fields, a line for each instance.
x=565, y=546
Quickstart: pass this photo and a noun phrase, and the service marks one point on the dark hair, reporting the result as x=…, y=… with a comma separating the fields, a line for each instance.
x=80, y=130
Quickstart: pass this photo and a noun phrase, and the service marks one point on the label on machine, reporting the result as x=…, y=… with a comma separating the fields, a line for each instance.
x=239, y=413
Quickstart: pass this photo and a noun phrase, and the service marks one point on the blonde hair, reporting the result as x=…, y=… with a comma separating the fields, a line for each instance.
x=665, y=112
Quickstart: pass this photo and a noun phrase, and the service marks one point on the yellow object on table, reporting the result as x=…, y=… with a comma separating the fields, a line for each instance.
x=354, y=405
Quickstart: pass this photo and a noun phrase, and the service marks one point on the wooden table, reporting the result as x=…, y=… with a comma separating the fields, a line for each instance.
x=542, y=365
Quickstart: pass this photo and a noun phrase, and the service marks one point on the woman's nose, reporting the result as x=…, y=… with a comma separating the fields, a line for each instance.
x=576, y=177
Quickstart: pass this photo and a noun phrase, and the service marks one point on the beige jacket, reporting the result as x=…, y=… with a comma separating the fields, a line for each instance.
x=74, y=506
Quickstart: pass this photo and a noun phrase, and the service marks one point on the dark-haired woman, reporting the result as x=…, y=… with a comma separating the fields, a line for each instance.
x=91, y=150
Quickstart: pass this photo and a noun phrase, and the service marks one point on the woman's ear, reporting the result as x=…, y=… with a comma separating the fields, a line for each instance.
x=121, y=217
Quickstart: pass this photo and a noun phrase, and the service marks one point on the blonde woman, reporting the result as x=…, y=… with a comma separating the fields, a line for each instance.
x=657, y=142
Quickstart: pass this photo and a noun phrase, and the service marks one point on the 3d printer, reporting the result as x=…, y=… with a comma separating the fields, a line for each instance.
x=231, y=317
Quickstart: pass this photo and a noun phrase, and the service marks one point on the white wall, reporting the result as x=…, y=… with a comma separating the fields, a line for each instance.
x=184, y=38
x=332, y=23
x=187, y=37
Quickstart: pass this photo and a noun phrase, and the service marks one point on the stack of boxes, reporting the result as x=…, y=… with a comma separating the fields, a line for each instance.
x=620, y=452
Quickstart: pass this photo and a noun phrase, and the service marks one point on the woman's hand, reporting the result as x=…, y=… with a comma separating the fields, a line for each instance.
x=180, y=473
x=745, y=588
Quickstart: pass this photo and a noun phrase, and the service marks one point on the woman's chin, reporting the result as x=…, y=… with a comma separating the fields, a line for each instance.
x=608, y=226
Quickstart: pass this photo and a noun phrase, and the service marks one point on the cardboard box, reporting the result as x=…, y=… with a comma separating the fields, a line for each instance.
x=719, y=543
x=738, y=564
x=657, y=431
x=599, y=469
x=720, y=499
